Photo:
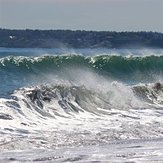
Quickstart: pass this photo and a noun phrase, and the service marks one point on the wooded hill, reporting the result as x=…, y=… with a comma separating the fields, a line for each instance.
x=78, y=39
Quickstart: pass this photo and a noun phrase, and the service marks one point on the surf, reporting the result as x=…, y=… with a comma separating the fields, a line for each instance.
x=94, y=100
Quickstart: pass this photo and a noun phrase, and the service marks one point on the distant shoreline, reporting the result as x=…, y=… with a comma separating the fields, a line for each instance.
x=79, y=39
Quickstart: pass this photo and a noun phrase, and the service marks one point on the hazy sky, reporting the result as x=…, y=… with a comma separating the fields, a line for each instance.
x=112, y=15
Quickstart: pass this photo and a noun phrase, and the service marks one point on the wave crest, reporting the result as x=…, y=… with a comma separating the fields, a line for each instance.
x=103, y=63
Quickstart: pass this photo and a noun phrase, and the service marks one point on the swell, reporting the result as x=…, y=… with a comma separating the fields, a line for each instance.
x=23, y=71
x=107, y=64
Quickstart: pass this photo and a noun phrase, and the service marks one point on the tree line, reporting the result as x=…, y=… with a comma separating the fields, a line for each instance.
x=78, y=39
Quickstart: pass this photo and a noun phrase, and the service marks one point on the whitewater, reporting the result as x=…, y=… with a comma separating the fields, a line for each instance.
x=64, y=105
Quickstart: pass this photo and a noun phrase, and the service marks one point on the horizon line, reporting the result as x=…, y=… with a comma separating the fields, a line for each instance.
x=122, y=31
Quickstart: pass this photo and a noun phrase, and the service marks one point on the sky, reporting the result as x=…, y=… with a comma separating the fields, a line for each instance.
x=100, y=15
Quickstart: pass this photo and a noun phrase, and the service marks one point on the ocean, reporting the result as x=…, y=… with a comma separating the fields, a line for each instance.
x=94, y=105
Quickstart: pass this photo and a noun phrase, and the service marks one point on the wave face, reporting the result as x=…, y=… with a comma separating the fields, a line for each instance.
x=76, y=100
x=105, y=64
x=125, y=69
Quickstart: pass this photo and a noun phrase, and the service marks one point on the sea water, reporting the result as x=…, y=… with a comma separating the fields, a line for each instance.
x=81, y=105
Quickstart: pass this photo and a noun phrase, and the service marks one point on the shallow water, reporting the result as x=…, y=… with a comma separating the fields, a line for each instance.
x=116, y=151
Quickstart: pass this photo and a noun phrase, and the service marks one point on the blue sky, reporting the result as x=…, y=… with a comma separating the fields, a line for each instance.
x=112, y=15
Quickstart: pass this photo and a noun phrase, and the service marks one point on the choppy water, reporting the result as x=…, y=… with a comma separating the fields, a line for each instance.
x=81, y=105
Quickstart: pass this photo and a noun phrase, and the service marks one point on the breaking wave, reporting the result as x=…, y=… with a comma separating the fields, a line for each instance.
x=55, y=101
x=107, y=64
x=30, y=70
x=92, y=115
